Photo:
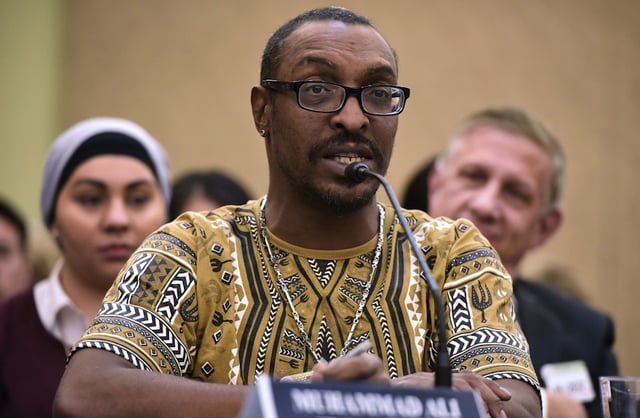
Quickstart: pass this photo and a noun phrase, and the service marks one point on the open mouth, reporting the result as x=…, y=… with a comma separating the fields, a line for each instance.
x=347, y=159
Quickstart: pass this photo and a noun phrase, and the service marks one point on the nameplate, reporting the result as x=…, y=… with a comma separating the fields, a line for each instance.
x=571, y=378
x=275, y=399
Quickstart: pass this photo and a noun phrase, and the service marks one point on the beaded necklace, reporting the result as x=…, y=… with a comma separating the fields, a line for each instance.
x=283, y=287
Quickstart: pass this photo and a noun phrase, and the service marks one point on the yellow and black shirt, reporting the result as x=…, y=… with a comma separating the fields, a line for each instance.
x=200, y=299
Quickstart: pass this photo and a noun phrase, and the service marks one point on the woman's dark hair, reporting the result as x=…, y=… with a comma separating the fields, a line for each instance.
x=9, y=213
x=215, y=185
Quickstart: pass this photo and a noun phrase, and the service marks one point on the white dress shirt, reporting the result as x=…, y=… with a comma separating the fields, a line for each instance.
x=58, y=314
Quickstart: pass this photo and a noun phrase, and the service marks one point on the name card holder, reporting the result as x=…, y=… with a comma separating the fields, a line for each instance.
x=345, y=399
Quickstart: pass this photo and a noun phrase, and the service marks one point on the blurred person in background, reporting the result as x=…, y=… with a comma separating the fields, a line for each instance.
x=504, y=171
x=416, y=196
x=105, y=187
x=16, y=268
x=205, y=190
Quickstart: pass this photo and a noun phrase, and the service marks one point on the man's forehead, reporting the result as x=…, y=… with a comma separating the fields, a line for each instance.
x=307, y=43
x=495, y=136
x=521, y=159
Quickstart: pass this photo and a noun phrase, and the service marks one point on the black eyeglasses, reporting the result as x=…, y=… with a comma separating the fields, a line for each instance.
x=327, y=97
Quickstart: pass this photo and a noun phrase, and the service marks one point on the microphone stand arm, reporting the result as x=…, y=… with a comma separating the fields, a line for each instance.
x=443, y=368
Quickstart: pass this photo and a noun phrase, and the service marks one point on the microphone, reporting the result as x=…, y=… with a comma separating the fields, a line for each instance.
x=357, y=173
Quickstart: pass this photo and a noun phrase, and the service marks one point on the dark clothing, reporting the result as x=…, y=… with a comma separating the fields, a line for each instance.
x=561, y=329
x=31, y=360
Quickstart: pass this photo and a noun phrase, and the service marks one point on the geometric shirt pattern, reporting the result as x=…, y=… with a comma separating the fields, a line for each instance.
x=199, y=299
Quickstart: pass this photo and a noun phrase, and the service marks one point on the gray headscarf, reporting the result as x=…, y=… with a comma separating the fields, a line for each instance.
x=94, y=137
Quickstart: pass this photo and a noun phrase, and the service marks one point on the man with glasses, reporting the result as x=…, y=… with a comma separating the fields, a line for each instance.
x=327, y=97
x=293, y=281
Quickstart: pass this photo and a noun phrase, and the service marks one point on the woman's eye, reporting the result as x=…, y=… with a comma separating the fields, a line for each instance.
x=139, y=200
x=89, y=200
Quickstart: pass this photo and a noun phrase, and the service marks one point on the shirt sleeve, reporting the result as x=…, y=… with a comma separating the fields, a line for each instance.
x=484, y=334
x=149, y=316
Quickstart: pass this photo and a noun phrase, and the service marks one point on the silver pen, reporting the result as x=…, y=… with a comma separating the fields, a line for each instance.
x=359, y=349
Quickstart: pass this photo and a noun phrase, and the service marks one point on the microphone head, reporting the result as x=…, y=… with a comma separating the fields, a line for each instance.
x=356, y=172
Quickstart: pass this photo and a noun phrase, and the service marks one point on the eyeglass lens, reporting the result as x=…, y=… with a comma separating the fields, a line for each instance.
x=326, y=97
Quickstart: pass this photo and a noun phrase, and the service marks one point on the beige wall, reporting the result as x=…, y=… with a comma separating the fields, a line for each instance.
x=183, y=69
x=30, y=113
x=30, y=68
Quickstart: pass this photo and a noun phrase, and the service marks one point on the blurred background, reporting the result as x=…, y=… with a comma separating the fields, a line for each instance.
x=183, y=69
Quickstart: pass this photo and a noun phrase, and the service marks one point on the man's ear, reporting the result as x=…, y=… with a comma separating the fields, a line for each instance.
x=548, y=225
x=261, y=108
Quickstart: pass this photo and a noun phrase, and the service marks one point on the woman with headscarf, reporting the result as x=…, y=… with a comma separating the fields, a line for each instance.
x=105, y=188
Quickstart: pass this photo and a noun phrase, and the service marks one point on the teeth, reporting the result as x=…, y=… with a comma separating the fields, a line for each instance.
x=348, y=159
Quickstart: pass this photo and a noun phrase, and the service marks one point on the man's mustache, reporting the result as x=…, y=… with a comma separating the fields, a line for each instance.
x=317, y=150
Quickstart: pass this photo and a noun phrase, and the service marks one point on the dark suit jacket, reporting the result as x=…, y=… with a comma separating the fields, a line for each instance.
x=560, y=328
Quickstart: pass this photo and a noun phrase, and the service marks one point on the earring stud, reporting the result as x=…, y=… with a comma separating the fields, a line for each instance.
x=262, y=132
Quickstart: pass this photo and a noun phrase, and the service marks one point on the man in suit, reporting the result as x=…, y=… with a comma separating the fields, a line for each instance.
x=504, y=171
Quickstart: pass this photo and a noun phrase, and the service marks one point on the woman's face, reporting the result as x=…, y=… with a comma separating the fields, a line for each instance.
x=109, y=204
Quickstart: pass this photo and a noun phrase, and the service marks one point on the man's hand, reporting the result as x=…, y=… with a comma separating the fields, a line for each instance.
x=560, y=405
x=490, y=391
x=370, y=368
x=495, y=394
x=366, y=366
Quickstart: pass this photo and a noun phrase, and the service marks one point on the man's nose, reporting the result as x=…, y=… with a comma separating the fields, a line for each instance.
x=485, y=202
x=351, y=117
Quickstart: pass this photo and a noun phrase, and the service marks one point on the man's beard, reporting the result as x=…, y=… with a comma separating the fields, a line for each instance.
x=342, y=205
x=336, y=199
